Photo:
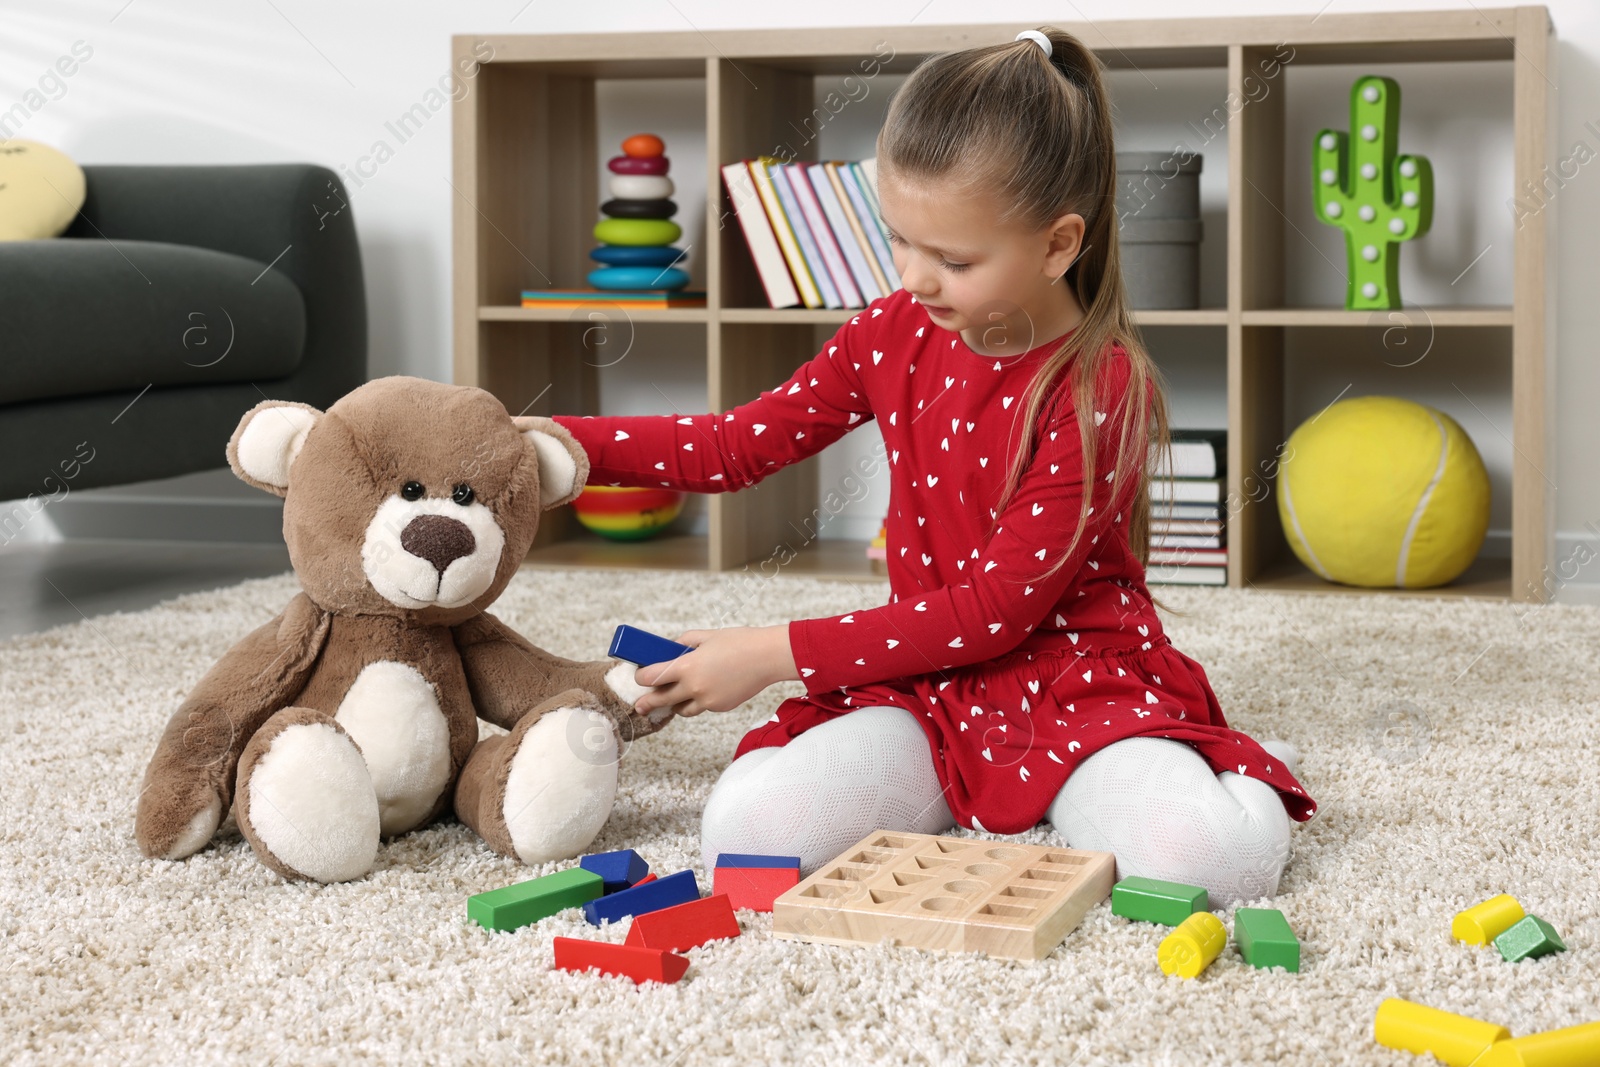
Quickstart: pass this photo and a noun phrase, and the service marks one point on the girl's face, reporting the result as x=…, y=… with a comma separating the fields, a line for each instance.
x=976, y=276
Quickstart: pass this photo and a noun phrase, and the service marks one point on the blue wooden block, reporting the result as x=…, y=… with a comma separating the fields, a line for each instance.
x=617, y=870
x=666, y=892
x=642, y=648
x=638, y=278
x=741, y=859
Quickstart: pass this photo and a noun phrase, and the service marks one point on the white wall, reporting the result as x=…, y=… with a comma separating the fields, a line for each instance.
x=175, y=82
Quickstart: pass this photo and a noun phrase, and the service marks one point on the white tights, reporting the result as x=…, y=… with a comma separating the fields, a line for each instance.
x=1152, y=802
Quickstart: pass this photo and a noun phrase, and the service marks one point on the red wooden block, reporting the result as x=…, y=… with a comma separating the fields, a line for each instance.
x=754, y=887
x=684, y=926
x=647, y=878
x=630, y=961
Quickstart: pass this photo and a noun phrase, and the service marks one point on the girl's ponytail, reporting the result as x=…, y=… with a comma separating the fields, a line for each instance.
x=1036, y=131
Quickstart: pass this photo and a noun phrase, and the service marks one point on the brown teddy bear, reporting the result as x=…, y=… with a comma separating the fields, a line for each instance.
x=408, y=506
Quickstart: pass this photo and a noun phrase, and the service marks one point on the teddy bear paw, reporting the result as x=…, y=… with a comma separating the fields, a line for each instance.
x=305, y=801
x=561, y=784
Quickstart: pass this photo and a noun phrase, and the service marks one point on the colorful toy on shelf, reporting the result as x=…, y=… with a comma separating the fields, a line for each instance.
x=1528, y=939
x=627, y=513
x=685, y=926
x=1453, y=1039
x=1265, y=939
x=617, y=870
x=1482, y=923
x=1192, y=945
x=649, y=896
x=1154, y=901
x=638, y=219
x=754, y=882
x=1379, y=198
x=947, y=894
x=642, y=648
x=527, y=902
x=1383, y=492
x=630, y=961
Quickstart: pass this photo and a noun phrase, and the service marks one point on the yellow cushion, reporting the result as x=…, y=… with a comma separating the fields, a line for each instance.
x=41, y=191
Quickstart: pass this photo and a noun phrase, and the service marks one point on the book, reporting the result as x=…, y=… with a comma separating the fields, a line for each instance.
x=759, y=236
x=1182, y=511
x=855, y=257
x=1185, y=526
x=766, y=188
x=858, y=229
x=1171, y=540
x=624, y=298
x=802, y=234
x=822, y=234
x=1185, y=490
x=1195, y=454
x=869, y=170
x=1188, y=556
x=1169, y=575
x=871, y=222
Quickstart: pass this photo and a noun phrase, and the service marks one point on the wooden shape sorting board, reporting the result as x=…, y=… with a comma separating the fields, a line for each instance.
x=949, y=894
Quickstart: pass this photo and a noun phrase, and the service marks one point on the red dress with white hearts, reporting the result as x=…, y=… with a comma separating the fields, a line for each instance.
x=1015, y=678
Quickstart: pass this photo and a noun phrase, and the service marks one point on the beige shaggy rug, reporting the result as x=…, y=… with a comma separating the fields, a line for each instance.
x=1452, y=746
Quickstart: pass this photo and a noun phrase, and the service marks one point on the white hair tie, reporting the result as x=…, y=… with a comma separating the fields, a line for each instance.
x=1037, y=38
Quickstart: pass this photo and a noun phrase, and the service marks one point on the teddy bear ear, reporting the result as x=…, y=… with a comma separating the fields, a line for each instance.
x=268, y=438
x=563, y=464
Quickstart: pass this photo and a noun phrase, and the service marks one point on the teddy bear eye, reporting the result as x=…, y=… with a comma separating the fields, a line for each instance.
x=412, y=491
x=462, y=494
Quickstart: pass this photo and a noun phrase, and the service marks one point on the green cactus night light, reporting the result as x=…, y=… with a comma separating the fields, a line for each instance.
x=1379, y=198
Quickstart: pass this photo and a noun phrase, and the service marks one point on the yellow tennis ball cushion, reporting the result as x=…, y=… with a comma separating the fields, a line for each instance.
x=41, y=191
x=1383, y=492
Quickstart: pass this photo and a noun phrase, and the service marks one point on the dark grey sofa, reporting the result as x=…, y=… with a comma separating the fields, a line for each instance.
x=180, y=297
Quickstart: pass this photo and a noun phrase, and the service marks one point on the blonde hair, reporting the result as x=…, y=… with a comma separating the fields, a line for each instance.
x=1035, y=131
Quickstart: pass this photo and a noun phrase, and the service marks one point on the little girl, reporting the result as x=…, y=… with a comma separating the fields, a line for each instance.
x=1020, y=671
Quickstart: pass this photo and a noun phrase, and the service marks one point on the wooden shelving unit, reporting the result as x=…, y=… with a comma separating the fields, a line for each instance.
x=526, y=169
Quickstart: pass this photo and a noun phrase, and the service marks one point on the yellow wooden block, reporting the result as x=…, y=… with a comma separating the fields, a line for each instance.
x=1575, y=1046
x=1453, y=1039
x=1192, y=945
x=1482, y=923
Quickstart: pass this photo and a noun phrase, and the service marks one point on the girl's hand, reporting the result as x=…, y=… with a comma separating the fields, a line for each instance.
x=726, y=668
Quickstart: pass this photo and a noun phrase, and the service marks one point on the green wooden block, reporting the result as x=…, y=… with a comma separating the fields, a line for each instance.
x=1264, y=938
x=528, y=902
x=1528, y=940
x=1153, y=901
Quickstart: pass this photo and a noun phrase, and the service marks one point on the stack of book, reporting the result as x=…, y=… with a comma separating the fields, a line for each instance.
x=613, y=298
x=1188, y=538
x=813, y=230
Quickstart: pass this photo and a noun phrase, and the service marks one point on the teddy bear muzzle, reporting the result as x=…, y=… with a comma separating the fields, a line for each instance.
x=431, y=551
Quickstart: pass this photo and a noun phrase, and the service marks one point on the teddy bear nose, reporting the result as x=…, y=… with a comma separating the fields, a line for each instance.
x=438, y=539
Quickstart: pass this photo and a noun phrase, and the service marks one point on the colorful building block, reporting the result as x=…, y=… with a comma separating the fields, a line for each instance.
x=618, y=870
x=1482, y=923
x=1456, y=1040
x=1574, y=1046
x=1529, y=939
x=685, y=926
x=1153, y=901
x=677, y=888
x=646, y=880
x=629, y=961
x=751, y=859
x=754, y=887
x=528, y=902
x=642, y=648
x=1191, y=947
x=1265, y=939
